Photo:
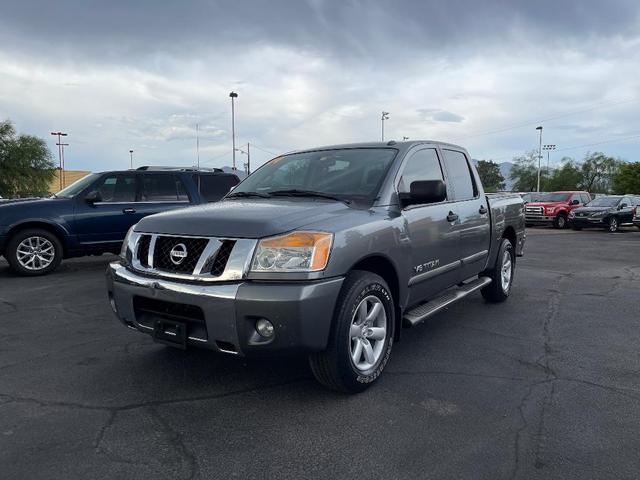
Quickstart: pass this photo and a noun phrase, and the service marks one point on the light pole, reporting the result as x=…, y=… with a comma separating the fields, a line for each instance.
x=548, y=148
x=248, y=154
x=539, y=156
x=385, y=116
x=233, y=95
x=198, y=145
x=60, y=155
x=131, y=158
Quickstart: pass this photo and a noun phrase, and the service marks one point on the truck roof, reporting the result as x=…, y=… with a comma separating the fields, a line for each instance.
x=391, y=143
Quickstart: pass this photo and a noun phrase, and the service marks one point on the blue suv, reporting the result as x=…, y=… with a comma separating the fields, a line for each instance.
x=93, y=215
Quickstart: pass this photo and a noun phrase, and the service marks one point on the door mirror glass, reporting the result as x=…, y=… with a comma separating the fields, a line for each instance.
x=93, y=196
x=426, y=191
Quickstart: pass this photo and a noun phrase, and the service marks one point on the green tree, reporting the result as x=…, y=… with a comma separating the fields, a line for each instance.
x=567, y=177
x=524, y=172
x=627, y=179
x=490, y=175
x=598, y=172
x=26, y=167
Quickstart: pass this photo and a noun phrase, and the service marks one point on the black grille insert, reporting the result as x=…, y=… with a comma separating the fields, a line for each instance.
x=192, y=248
x=149, y=310
x=222, y=257
x=143, y=250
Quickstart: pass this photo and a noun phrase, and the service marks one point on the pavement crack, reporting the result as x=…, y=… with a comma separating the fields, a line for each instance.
x=110, y=420
x=177, y=440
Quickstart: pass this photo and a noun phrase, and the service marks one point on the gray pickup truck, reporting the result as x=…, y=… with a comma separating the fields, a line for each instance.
x=327, y=252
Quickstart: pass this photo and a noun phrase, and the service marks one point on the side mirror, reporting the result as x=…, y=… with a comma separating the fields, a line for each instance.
x=425, y=191
x=93, y=196
x=622, y=205
x=575, y=202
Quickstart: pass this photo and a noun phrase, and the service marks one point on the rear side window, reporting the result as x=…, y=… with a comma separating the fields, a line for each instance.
x=460, y=178
x=423, y=165
x=163, y=188
x=213, y=187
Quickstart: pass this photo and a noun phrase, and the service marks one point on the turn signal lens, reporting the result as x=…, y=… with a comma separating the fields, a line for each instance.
x=293, y=252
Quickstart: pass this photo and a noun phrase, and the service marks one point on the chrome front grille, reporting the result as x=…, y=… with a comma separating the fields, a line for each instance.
x=533, y=212
x=191, y=258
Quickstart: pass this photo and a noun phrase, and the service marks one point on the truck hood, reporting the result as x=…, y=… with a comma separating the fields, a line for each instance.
x=546, y=204
x=243, y=218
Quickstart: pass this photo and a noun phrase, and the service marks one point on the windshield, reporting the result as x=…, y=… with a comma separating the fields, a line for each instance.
x=353, y=174
x=604, y=202
x=77, y=186
x=554, y=197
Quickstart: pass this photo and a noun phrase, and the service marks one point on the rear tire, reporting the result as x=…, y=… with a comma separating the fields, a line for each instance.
x=33, y=252
x=560, y=221
x=344, y=366
x=501, y=274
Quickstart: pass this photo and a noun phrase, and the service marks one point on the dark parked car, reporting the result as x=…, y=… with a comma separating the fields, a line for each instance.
x=327, y=252
x=92, y=215
x=609, y=212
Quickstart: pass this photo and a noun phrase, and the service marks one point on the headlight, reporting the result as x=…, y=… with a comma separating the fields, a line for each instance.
x=598, y=214
x=126, y=254
x=293, y=252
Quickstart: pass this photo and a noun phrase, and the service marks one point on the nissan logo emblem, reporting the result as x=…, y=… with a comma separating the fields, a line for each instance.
x=178, y=253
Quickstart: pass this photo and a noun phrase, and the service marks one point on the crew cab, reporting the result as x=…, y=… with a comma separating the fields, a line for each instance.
x=553, y=208
x=609, y=212
x=329, y=252
x=93, y=215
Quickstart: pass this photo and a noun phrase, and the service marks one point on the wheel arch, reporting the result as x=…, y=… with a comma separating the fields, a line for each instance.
x=53, y=228
x=383, y=266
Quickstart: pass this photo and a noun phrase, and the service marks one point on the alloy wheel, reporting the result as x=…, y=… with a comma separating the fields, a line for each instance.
x=35, y=253
x=368, y=333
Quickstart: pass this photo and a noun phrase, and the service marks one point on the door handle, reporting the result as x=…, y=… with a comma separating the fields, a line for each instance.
x=128, y=210
x=483, y=210
x=452, y=217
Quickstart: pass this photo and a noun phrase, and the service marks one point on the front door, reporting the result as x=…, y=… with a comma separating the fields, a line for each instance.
x=435, y=259
x=106, y=221
x=159, y=192
x=472, y=209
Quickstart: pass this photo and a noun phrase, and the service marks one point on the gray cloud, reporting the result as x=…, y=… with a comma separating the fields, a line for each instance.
x=120, y=74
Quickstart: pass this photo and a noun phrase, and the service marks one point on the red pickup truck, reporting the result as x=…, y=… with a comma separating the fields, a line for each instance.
x=553, y=208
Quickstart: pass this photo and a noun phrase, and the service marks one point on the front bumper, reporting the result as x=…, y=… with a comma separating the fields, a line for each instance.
x=301, y=312
x=539, y=220
x=586, y=222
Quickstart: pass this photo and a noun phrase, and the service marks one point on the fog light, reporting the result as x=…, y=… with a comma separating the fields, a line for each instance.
x=265, y=328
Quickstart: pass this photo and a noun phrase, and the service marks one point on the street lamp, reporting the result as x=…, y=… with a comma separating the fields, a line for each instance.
x=385, y=116
x=233, y=95
x=548, y=148
x=61, y=155
x=539, y=155
x=131, y=158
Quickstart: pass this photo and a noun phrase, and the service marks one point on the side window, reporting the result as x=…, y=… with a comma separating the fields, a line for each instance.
x=163, y=188
x=423, y=165
x=214, y=187
x=585, y=198
x=460, y=178
x=117, y=188
x=626, y=201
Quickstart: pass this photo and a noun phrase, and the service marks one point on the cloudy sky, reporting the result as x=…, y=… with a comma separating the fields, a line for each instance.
x=120, y=75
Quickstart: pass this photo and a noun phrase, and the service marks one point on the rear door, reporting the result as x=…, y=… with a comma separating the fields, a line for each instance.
x=472, y=210
x=435, y=260
x=159, y=192
x=107, y=220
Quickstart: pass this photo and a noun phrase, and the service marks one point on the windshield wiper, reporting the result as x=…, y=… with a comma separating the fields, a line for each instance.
x=309, y=193
x=248, y=194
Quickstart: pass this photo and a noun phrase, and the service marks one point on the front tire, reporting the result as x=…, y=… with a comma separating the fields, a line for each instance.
x=613, y=226
x=501, y=274
x=34, y=252
x=560, y=221
x=361, y=336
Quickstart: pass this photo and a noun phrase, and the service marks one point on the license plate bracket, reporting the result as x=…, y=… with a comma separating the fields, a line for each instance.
x=170, y=333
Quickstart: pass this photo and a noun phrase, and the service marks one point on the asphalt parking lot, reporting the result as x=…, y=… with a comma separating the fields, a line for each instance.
x=546, y=385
